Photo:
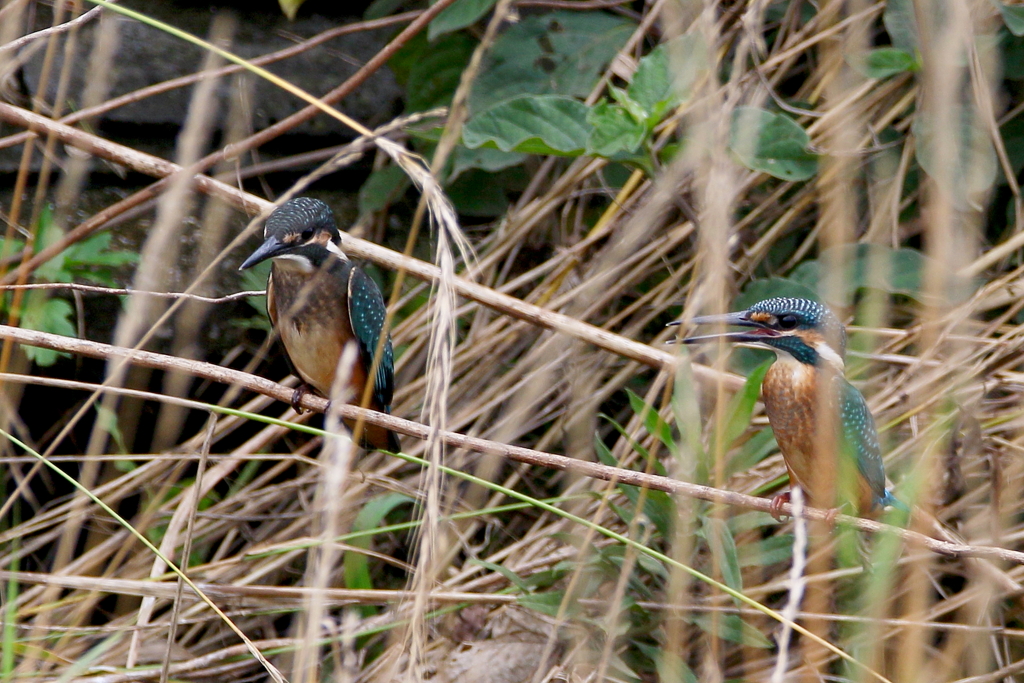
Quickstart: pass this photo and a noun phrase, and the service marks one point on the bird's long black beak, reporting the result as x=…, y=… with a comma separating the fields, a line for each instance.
x=739, y=319
x=269, y=249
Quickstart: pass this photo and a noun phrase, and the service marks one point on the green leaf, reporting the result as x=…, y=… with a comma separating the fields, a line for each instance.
x=885, y=62
x=290, y=7
x=483, y=158
x=509, y=575
x=46, y=315
x=106, y=419
x=1013, y=17
x=665, y=77
x=543, y=124
x=901, y=24
x=730, y=627
x=478, y=193
x=741, y=407
x=771, y=143
x=970, y=172
x=767, y=552
x=461, y=14
x=653, y=422
x=379, y=9
x=753, y=451
x=433, y=69
x=384, y=187
x=561, y=53
x=723, y=547
x=253, y=280
x=545, y=603
x=897, y=271
x=356, y=564
x=615, y=131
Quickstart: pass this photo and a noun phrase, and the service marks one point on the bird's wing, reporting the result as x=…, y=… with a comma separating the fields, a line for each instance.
x=367, y=312
x=860, y=439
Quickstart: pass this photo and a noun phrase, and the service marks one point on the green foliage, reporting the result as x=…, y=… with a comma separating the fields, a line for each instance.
x=430, y=71
x=970, y=167
x=290, y=7
x=356, y=564
x=92, y=260
x=896, y=271
x=458, y=15
x=384, y=187
x=771, y=143
x=901, y=25
x=723, y=547
x=544, y=124
x=1013, y=17
x=614, y=130
x=885, y=62
x=558, y=53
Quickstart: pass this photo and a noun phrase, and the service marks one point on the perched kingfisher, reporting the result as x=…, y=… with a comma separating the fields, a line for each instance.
x=810, y=343
x=319, y=301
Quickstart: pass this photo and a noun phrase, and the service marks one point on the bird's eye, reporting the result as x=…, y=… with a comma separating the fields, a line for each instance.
x=788, y=321
x=307, y=234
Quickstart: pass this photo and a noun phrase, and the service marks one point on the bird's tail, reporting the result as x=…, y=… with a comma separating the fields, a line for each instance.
x=889, y=500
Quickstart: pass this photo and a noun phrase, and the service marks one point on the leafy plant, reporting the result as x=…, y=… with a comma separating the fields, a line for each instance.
x=92, y=260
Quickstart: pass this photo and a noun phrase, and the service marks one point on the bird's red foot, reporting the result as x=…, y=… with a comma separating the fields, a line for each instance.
x=297, y=396
x=830, y=517
x=776, y=507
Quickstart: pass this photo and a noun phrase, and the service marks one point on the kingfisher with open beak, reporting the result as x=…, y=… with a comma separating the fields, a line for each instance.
x=833, y=469
x=318, y=302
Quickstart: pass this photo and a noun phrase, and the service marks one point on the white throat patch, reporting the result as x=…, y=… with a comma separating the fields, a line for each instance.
x=336, y=250
x=828, y=354
x=294, y=262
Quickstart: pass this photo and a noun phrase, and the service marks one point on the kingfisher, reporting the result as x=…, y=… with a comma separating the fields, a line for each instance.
x=809, y=342
x=319, y=301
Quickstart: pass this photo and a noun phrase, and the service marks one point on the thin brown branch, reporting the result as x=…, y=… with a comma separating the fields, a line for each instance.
x=516, y=453
x=114, y=291
x=154, y=166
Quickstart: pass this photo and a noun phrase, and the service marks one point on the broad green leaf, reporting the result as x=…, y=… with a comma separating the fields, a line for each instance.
x=356, y=565
x=615, y=131
x=897, y=271
x=753, y=451
x=560, y=53
x=723, y=547
x=771, y=143
x=741, y=407
x=692, y=459
x=384, y=187
x=545, y=603
x=478, y=193
x=665, y=77
x=654, y=423
x=379, y=9
x=541, y=124
x=290, y=7
x=433, y=70
x=483, y=158
x=730, y=627
x=671, y=667
x=971, y=168
x=253, y=280
x=901, y=25
x=46, y=315
x=885, y=62
x=1013, y=17
x=461, y=14
x=106, y=419
x=766, y=552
